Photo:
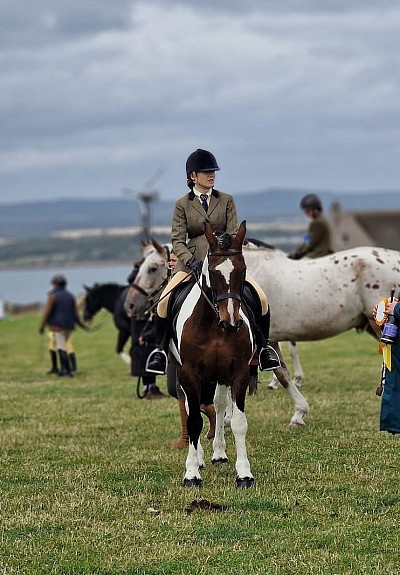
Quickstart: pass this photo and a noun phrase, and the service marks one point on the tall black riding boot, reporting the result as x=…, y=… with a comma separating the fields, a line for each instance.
x=72, y=362
x=268, y=358
x=64, y=362
x=157, y=360
x=53, y=359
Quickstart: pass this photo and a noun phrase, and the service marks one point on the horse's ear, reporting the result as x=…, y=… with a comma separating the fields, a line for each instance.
x=158, y=246
x=212, y=240
x=239, y=238
x=86, y=288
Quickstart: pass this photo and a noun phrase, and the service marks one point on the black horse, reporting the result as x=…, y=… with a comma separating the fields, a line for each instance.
x=110, y=296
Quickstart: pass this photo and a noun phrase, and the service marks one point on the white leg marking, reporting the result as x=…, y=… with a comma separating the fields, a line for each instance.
x=220, y=404
x=239, y=430
x=125, y=358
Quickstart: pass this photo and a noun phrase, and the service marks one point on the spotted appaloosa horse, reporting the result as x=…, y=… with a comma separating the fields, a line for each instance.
x=312, y=299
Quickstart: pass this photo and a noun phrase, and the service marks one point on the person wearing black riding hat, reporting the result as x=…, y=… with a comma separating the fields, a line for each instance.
x=61, y=316
x=203, y=204
x=317, y=242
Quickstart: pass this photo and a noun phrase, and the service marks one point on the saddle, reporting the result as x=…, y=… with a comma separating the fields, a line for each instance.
x=179, y=293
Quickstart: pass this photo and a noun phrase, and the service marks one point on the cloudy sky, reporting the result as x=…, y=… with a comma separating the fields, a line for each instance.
x=97, y=95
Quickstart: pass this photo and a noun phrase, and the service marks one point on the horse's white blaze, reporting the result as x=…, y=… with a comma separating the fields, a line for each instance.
x=230, y=309
x=226, y=269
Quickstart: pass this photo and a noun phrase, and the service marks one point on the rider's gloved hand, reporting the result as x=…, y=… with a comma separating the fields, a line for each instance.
x=195, y=265
x=294, y=256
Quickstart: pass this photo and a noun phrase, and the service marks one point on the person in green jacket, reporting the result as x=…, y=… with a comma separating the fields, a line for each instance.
x=317, y=242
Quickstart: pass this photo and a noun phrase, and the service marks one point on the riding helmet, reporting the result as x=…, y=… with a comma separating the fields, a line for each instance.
x=311, y=202
x=201, y=161
x=59, y=280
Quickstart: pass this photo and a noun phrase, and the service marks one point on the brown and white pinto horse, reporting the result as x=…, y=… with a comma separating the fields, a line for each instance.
x=215, y=343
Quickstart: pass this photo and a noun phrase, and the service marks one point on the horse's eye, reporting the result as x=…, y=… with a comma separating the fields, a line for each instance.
x=153, y=270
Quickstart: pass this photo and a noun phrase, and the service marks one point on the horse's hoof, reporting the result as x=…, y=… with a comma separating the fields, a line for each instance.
x=244, y=482
x=222, y=460
x=195, y=482
x=296, y=424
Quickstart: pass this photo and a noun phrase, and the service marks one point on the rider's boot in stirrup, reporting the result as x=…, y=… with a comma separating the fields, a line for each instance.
x=157, y=360
x=268, y=358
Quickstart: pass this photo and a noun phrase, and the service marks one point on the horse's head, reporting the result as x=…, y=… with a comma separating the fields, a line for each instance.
x=91, y=304
x=226, y=274
x=151, y=278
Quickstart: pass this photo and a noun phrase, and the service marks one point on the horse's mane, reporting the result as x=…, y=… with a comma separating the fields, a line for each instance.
x=99, y=285
x=224, y=239
x=252, y=242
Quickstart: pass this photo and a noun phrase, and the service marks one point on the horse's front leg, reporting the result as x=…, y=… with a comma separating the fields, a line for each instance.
x=220, y=405
x=298, y=374
x=229, y=409
x=299, y=400
x=274, y=383
x=122, y=339
x=244, y=476
x=195, y=457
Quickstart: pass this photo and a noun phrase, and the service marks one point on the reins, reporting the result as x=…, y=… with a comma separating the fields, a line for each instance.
x=220, y=297
x=151, y=295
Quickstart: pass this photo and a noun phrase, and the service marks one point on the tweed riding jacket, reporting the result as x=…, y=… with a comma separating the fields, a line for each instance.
x=188, y=237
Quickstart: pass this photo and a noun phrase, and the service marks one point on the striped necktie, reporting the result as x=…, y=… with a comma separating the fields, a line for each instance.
x=204, y=201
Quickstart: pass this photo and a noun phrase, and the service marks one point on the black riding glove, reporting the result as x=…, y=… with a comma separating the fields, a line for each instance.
x=195, y=265
x=295, y=256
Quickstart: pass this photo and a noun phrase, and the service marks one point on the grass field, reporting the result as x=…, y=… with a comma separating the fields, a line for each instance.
x=89, y=484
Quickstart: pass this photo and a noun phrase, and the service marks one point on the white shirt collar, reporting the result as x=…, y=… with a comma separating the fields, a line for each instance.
x=198, y=194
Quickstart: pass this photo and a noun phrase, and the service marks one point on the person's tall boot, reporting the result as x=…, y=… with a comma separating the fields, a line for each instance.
x=268, y=358
x=209, y=412
x=53, y=359
x=183, y=440
x=157, y=360
x=72, y=362
x=65, y=370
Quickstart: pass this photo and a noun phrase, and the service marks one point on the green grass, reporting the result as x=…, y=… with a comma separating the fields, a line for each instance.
x=90, y=485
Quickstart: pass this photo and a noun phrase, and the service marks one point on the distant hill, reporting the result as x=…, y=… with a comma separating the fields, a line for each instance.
x=39, y=219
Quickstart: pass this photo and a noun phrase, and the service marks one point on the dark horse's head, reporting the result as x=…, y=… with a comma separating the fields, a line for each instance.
x=91, y=303
x=100, y=296
x=226, y=274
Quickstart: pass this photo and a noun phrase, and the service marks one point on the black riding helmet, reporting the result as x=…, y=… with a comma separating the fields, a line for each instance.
x=311, y=202
x=59, y=280
x=201, y=161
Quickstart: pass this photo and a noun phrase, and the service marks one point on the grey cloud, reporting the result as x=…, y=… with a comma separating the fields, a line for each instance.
x=96, y=92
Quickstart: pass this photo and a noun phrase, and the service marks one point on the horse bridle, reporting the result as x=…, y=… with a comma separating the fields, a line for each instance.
x=220, y=297
x=150, y=295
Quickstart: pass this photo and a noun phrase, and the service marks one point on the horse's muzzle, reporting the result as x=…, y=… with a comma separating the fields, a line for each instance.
x=227, y=326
